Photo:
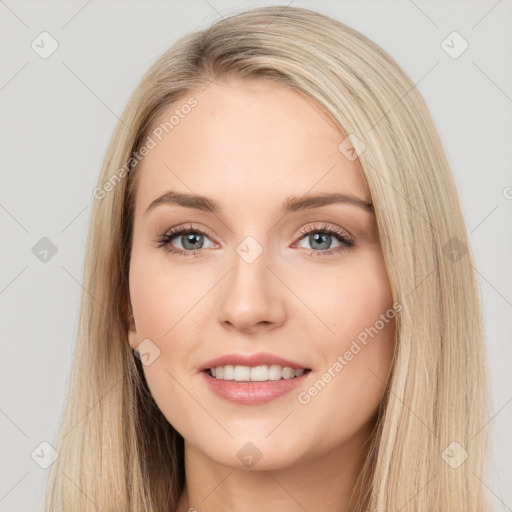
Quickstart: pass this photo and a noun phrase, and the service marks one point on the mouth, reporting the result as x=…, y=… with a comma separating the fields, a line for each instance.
x=262, y=373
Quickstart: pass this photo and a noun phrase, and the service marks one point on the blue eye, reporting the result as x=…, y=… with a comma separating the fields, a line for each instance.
x=192, y=240
x=324, y=236
x=188, y=237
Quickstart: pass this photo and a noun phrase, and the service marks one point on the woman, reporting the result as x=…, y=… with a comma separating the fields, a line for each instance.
x=224, y=365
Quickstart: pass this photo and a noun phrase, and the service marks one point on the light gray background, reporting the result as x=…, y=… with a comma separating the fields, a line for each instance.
x=58, y=115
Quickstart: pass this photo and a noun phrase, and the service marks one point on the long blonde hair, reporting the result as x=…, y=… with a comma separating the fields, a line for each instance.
x=429, y=453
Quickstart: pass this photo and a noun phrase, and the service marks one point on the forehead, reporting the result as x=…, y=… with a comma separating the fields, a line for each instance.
x=245, y=141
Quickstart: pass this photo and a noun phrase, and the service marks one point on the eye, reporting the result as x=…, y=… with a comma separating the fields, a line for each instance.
x=191, y=239
x=321, y=238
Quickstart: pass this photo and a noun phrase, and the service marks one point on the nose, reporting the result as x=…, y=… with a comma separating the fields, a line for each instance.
x=252, y=297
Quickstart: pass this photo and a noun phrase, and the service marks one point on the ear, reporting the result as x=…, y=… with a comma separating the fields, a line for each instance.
x=132, y=330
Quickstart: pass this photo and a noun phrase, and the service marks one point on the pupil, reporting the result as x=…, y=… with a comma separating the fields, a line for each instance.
x=190, y=239
x=321, y=238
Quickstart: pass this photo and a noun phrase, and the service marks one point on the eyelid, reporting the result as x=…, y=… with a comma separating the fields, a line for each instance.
x=326, y=226
x=310, y=228
x=345, y=239
x=181, y=229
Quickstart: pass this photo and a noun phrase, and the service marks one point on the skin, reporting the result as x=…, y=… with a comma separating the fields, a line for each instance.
x=250, y=145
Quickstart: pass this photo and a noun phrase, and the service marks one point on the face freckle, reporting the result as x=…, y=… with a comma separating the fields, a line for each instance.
x=249, y=147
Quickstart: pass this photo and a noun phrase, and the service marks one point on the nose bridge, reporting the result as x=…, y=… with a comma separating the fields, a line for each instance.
x=250, y=292
x=250, y=264
x=252, y=248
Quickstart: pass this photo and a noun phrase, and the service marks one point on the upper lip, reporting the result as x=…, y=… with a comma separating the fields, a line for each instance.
x=259, y=359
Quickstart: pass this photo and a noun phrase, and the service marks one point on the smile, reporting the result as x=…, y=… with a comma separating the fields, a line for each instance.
x=275, y=381
x=260, y=373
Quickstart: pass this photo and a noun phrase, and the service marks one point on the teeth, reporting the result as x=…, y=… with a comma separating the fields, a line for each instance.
x=259, y=373
x=240, y=373
x=255, y=373
x=229, y=372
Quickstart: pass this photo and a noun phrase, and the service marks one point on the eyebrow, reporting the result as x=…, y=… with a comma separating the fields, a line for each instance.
x=291, y=204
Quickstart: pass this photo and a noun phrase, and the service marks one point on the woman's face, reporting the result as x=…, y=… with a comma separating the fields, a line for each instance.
x=262, y=274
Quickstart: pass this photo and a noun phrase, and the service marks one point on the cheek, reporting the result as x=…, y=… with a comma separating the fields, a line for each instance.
x=164, y=301
x=163, y=295
x=355, y=307
x=346, y=299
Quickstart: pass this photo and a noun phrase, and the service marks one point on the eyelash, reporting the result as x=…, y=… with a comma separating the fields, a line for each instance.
x=165, y=239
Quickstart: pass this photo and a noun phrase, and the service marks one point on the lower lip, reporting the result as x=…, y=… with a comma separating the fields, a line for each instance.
x=253, y=393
